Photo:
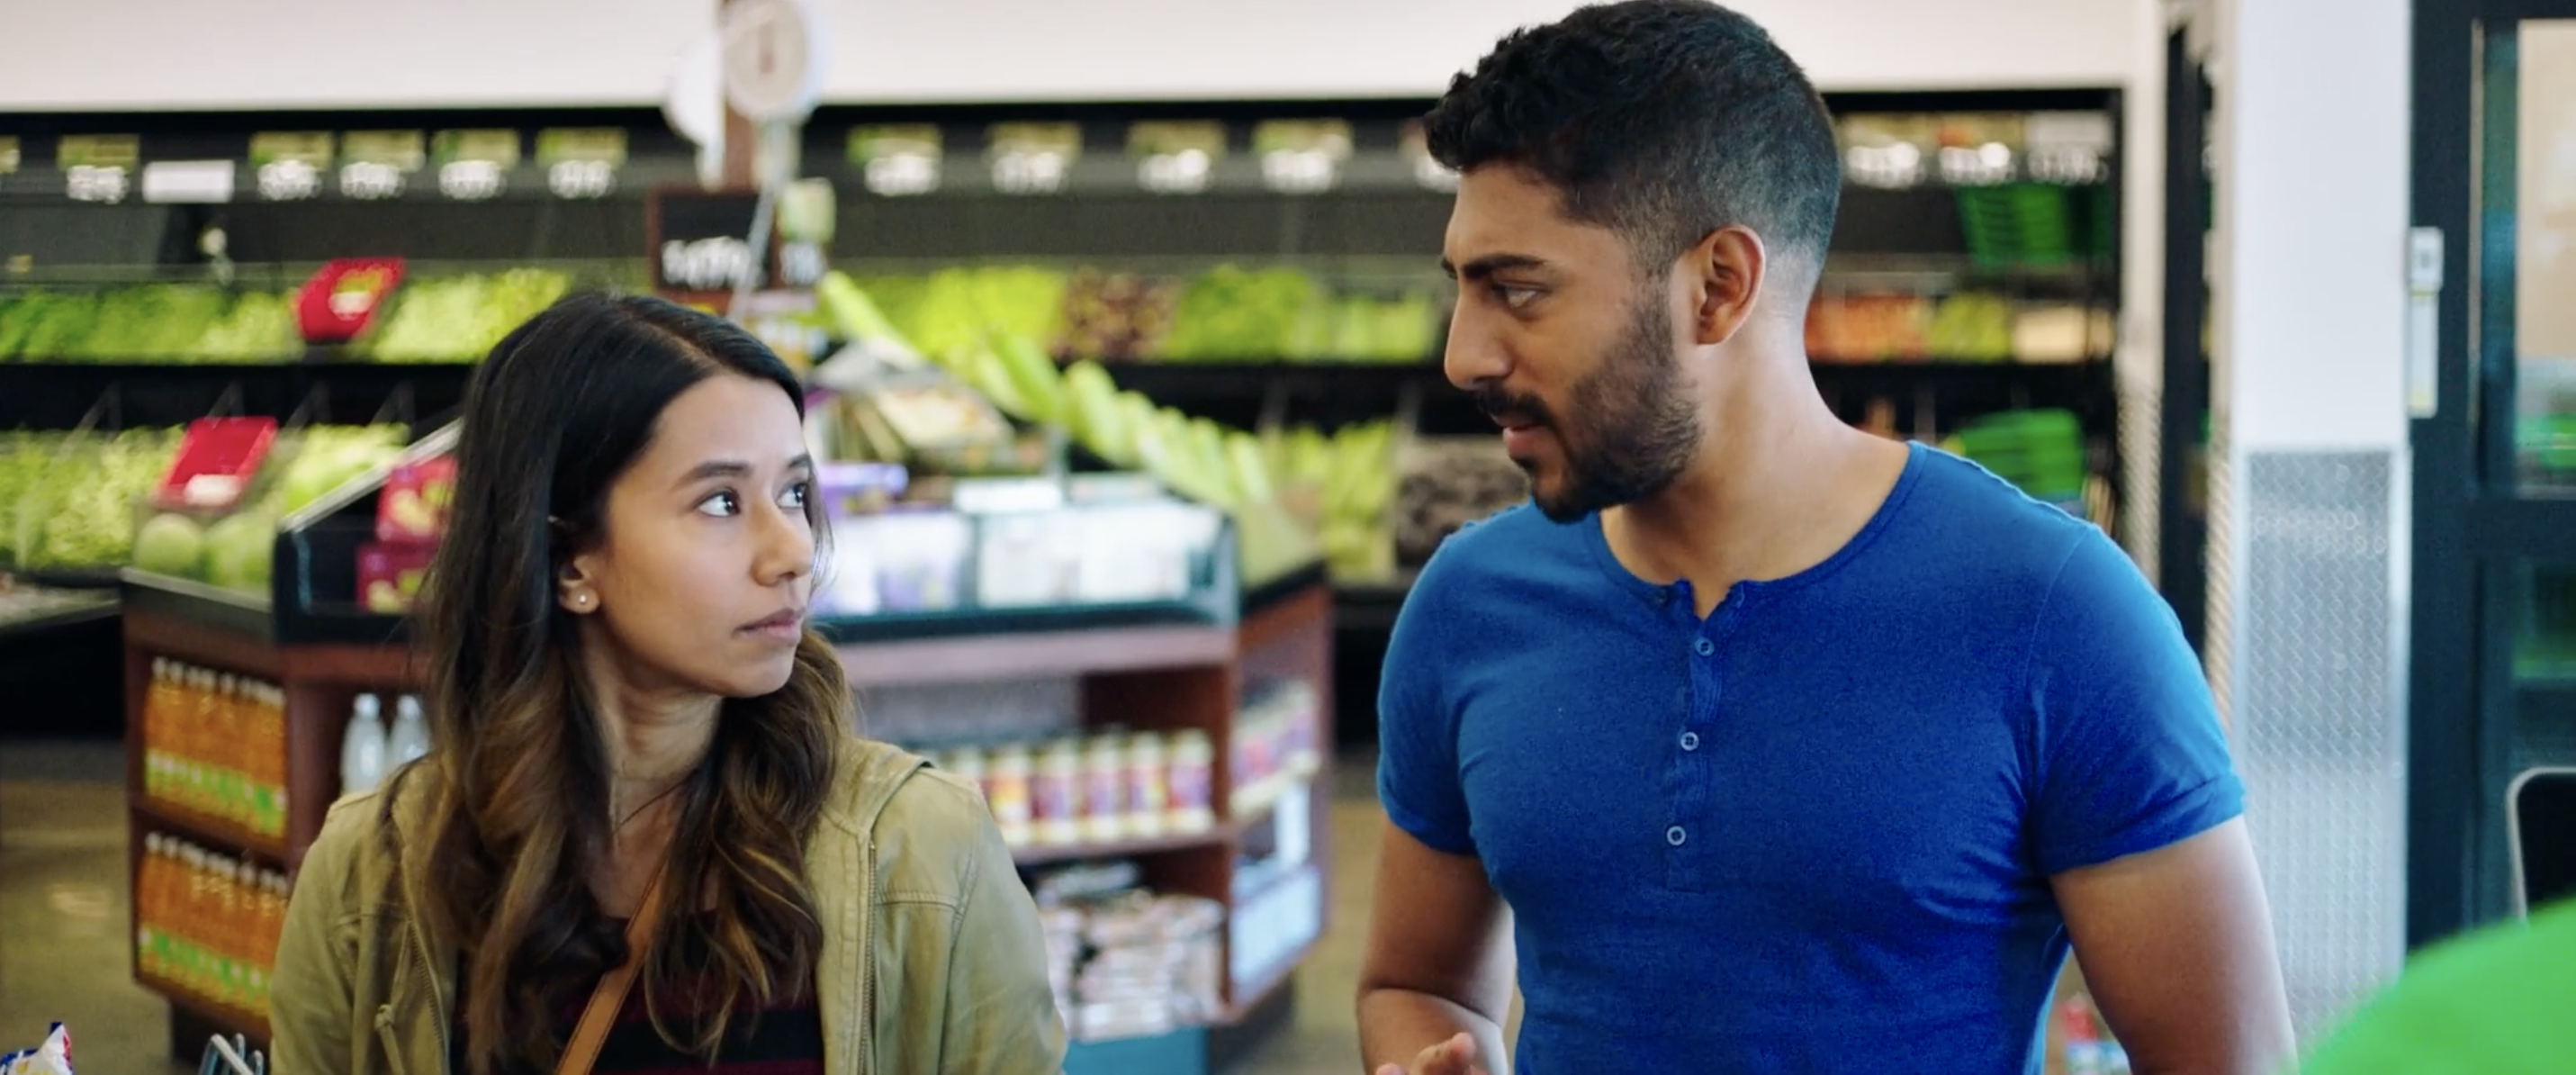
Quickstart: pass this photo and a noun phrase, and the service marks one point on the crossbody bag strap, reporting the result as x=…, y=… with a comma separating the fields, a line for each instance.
x=605, y=1001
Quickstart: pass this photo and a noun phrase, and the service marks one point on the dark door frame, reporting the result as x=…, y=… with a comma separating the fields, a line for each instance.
x=2467, y=521
x=2182, y=537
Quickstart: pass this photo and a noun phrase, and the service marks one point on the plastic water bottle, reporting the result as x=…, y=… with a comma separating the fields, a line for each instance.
x=362, y=751
x=410, y=736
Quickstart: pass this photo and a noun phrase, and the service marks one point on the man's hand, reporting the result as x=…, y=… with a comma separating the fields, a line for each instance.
x=1456, y=1056
x=1439, y=965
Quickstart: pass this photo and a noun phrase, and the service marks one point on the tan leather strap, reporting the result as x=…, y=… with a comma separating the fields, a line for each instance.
x=605, y=1001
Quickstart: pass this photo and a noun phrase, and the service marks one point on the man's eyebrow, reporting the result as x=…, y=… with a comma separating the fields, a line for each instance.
x=1480, y=268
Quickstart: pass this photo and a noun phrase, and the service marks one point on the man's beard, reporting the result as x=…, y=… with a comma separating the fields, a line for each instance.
x=1638, y=429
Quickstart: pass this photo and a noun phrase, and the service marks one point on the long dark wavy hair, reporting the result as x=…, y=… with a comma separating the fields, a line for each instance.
x=520, y=772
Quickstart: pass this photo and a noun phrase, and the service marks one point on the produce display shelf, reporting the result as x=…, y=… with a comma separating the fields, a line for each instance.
x=1071, y=652
x=204, y=828
x=1268, y=987
x=1221, y=834
x=252, y=1025
x=28, y=610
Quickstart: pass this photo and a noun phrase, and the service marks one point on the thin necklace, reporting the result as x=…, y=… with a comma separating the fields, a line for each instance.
x=657, y=797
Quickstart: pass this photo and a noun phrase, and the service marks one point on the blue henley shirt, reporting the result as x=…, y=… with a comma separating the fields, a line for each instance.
x=1813, y=832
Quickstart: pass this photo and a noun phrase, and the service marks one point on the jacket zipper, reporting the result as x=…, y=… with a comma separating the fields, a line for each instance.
x=867, y=957
x=429, y=983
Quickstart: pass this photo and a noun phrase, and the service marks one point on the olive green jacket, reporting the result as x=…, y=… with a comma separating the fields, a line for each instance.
x=932, y=959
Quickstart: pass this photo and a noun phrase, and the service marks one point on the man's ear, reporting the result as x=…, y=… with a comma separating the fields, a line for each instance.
x=1726, y=270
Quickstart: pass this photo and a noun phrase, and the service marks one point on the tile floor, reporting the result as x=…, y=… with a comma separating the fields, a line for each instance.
x=64, y=919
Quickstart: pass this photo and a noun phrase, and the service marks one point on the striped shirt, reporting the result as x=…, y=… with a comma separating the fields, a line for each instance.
x=786, y=1039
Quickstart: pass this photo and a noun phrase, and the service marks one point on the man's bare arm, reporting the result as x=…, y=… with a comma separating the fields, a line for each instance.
x=1439, y=959
x=2176, y=946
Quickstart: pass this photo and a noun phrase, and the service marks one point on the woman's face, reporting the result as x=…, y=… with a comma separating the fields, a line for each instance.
x=699, y=579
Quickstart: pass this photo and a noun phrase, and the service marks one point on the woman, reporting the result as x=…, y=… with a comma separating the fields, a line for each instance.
x=640, y=750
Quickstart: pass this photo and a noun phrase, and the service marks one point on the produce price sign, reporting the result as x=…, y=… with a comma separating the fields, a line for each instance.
x=1032, y=158
x=1302, y=156
x=474, y=165
x=2067, y=147
x=1979, y=150
x=1891, y=152
x=1176, y=158
x=900, y=160
x=96, y=167
x=200, y=182
x=378, y=164
x=581, y=162
x=288, y=165
x=702, y=249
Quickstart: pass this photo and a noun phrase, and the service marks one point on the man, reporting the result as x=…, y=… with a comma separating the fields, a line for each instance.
x=1761, y=743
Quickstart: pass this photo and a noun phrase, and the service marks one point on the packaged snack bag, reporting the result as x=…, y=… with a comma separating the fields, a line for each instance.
x=54, y=1057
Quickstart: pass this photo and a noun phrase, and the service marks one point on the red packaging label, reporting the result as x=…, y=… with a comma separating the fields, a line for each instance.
x=342, y=298
x=413, y=506
x=389, y=575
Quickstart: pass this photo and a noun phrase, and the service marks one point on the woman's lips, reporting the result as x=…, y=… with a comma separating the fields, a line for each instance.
x=788, y=625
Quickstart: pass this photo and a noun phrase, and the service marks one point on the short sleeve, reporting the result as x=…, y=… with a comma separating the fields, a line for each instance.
x=1417, y=767
x=2129, y=750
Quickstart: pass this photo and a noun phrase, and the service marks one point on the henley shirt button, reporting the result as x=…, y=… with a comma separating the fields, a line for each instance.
x=1690, y=740
x=1704, y=647
x=1675, y=836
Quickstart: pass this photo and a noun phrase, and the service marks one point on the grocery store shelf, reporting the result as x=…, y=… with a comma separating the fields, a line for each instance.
x=1249, y=1001
x=1036, y=654
x=251, y=1025
x=1221, y=834
x=1154, y=378
x=53, y=395
x=28, y=610
x=204, y=828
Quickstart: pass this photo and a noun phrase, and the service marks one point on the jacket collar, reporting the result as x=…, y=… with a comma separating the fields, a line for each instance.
x=840, y=865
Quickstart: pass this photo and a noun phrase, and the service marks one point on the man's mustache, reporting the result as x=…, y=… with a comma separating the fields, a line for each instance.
x=1510, y=409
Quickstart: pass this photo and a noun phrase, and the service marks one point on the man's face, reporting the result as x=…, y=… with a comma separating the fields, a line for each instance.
x=1567, y=346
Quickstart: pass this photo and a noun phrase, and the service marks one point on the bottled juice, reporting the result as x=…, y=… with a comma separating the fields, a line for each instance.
x=235, y=725
x=238, y=906
x=220, y=743
x=186, y=928
x=272, y=924
x=147, y=905
x=198, y=716
x=156, y=703
x=267, y=758
x=277, y=757
x=159, y=894
x=255, y=755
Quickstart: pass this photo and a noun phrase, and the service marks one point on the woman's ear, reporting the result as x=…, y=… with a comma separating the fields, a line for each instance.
x=574, y=590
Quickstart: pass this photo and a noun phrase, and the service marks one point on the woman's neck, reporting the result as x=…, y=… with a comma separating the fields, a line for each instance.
x=654, y=736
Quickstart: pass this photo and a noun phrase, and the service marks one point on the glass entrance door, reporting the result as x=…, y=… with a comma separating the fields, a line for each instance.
x=2493, y=676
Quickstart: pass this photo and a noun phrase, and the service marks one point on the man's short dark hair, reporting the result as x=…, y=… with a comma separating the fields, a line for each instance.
x=1663, y=120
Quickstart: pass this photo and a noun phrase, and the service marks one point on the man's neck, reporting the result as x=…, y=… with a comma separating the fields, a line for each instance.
x=1780, y=485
